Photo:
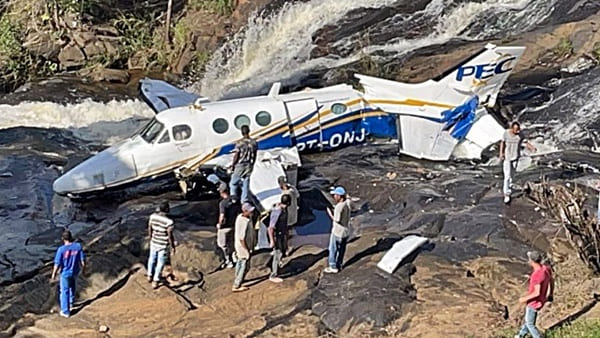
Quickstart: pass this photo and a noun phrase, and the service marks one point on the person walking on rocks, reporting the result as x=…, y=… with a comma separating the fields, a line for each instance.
x=339, y=232
x=69, y=260
x=243, y=163
x=541, y=290
x=243, y=243
x=278, y=235
x=160, y=232
x=228, y=211
x=292, y=210
x=510, y=152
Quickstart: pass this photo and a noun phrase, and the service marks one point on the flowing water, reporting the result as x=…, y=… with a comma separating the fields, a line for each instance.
x=278, y=47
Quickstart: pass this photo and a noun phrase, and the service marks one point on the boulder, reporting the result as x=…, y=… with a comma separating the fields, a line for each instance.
x=94, y=48
x=71, y=56
x=83, y=38
x=42, y=44
x=109, y=75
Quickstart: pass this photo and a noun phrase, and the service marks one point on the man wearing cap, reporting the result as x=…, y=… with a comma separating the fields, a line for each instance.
x=69, y=260
x=243, y=162
x=160, y=232
x=339, y=231
x=243, y=242
x=292, y=210
x=541, y=290
x=278, y=235
x=228, y=211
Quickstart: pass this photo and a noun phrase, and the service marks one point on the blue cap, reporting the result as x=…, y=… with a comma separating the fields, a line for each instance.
x=338, y=191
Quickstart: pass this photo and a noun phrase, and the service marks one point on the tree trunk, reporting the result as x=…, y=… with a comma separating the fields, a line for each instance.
x=168, y=24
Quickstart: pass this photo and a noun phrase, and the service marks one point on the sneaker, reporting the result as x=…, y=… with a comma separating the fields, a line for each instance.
x=149, y=278
x=155, y=285
x=239, y=289
x=66, y=315
x=517, y=336
x=506, y=199
x=230, y=265
x=331, y=270
x=275, y=280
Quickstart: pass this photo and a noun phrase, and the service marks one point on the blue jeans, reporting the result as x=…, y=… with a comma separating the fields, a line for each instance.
x=529, y=325
x=240, y=176
x=241, y=268
x=337, y=249
x=67, y=292
x=156, y=262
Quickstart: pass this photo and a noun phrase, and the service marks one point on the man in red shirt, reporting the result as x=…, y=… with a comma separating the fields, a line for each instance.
x=541, y=289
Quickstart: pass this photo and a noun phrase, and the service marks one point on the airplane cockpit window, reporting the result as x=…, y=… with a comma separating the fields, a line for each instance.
x=220, y=126
x=263, y=118
x=165, y=137
x=182, y=132
x=338, y=108
x=241, y=120
x=152, y=130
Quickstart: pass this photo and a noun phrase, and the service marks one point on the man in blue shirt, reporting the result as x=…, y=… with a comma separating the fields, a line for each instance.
x=69, y=259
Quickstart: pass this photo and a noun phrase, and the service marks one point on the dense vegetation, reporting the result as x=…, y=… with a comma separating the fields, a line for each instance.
x=34, y=32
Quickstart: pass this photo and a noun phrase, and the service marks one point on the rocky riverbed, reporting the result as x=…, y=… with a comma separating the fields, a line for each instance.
x=465, y=282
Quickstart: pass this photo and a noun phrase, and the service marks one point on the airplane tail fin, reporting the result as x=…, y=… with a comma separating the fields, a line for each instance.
x=482, y=75
x=437, y=115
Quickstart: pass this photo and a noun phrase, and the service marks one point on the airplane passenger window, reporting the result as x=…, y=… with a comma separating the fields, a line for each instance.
x=241, y=120
x=152, y=130
x=182, y=132
x=165, y=138
x=220, y=125
x=338, y=108
x=263, y=118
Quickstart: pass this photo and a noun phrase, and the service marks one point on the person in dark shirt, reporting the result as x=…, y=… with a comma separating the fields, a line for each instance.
x=69, y=260
x=228, y=211
x=278, y=235
x=243, y=163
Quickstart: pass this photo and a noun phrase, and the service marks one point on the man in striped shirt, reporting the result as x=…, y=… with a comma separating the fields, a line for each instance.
x=160, y=232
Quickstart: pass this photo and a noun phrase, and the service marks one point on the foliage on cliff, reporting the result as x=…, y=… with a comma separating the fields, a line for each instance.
x=41, y=37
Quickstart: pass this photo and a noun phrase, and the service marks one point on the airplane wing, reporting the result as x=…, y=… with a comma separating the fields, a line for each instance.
x=160, y=95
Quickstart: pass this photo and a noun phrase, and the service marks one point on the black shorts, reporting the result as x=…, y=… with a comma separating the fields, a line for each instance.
x=281, y=242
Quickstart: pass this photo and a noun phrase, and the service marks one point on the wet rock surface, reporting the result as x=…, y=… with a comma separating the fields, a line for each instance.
x=472, y=272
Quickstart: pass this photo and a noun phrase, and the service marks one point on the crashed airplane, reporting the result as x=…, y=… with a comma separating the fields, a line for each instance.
x=437, y=120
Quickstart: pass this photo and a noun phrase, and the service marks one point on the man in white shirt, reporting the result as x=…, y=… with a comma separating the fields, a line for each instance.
x=510, y=152
x=340, y=231
x=243, y=240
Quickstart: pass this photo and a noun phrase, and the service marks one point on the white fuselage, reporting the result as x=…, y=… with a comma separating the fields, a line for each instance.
x=427, y=118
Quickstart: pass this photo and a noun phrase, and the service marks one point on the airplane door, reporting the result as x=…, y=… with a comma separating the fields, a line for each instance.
x=303, y=120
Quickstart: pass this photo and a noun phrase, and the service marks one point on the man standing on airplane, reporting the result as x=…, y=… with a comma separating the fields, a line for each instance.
x=243, y=162
x=510, y=152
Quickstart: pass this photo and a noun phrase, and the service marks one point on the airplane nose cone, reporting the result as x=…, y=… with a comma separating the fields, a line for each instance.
x=107, y=168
